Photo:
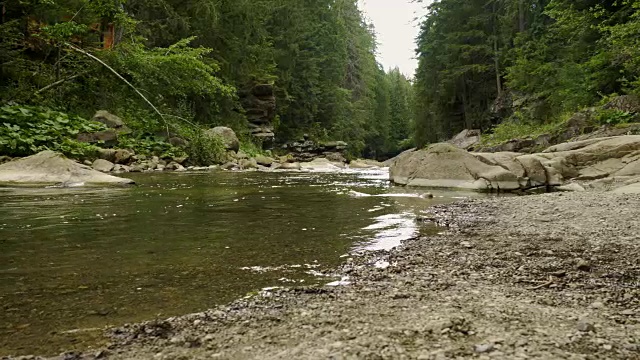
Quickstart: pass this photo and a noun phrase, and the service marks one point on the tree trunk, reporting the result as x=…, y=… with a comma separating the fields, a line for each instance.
x=496, y=54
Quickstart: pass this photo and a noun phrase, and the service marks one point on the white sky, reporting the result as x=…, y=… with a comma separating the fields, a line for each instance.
x=397, y=29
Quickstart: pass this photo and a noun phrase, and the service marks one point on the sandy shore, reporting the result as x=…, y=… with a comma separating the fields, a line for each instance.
x=553, y=276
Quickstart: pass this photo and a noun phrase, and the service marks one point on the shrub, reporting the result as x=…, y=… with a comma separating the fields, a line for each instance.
x=151, y=145
x=614, y=117
x=26, y=130
x=204, y=149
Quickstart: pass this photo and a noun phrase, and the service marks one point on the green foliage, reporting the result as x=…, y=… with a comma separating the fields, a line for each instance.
x=26, y=130
x=509, y=130
x=151, y=145
x=189, y=58
x=551, y=56
x=614, y=117
x=251, y=148
x=205, y=149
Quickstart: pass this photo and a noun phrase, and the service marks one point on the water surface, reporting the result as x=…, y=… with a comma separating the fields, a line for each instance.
x=76, y=260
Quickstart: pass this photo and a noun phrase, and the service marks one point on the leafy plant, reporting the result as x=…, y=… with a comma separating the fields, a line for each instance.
x=205, y=149
x=614, y=117
x=26, y=130
x=151, y=145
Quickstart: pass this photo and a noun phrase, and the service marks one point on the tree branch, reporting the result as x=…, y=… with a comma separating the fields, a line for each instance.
x=59, y=82
x=93, y=57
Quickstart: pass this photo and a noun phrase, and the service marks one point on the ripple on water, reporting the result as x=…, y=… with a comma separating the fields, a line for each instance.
x=180, y=243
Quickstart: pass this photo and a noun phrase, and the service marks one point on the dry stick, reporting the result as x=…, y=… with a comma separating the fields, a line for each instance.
x=52, y=85
x=166, y=124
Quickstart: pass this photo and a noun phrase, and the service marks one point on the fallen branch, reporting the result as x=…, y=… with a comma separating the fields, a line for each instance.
x=93, y=57
x=59, y=82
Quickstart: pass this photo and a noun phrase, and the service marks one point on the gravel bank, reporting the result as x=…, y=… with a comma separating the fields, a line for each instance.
x=553, y=276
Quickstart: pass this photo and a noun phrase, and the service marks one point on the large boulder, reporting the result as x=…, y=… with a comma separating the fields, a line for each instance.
x=227, y=135
x=446, y=166
x=605, y=161
x=51, y=168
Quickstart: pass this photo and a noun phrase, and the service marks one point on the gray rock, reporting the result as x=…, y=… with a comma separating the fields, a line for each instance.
x=248, y=164
x=583, y=265
x=264, y=160
x=227, y=135
x=571, y=187
x=121, y=168
x=102, y=165
x=107, y=118
x=585, y=325
x=174, y=166
x=483, y=348
x=466, y=139
x=290, y=166
x=50, y=168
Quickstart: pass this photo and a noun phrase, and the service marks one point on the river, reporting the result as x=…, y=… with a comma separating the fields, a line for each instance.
x=74, y=261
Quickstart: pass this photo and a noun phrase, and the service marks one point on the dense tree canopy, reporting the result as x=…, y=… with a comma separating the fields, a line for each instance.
x=191, y=58
x=548, y=56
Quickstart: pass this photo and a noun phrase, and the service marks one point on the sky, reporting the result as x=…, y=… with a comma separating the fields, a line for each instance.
x=396, y=28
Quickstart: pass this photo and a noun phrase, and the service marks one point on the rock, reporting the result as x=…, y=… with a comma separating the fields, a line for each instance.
x=121, y=169
x=483, y=348
x=180, y=159
x=628, y=103
x=365, y=164
x=4, y=159
x=248, y=164
x=110, y=120
x=466, y=139
x=108, y=137
x=50, y=168
x=571, y=187
x=585, y=325
x=446, y=166
x=605, y=159
x=335, y=157
x=290, y=166
x=227, y=135
x=307, y=150
x=102, y=165
x=583, y=265
x=174, y=166
x=264, y=160
x=628, y=189
x=178, y=142
x=229, y=166
x=319, y=165
x=116, y=156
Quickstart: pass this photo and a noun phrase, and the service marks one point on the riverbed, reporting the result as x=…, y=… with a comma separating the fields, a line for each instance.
x=77, y=260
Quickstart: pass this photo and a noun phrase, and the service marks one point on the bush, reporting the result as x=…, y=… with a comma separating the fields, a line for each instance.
x=204, y=149
x=151, y=145
x=614, y=117
x=26, y=130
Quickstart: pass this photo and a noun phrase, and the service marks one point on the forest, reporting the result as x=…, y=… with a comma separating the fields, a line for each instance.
x=183, y=64
x=517, y=66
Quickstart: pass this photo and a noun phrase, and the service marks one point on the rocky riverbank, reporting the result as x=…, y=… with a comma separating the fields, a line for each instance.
x=539, y=277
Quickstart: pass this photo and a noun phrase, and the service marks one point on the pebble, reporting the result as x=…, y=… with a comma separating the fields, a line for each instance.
x=585, y=326
x=466, y=244
x=483, y=348
x=583, y=265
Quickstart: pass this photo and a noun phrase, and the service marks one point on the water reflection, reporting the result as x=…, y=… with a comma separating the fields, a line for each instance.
x=179, y=243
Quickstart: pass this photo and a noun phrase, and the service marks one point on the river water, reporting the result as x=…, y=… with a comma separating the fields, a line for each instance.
x=73, y=261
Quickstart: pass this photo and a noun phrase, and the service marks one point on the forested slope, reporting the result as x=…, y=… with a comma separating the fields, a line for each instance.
x=191, y=60
x=523, y=63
